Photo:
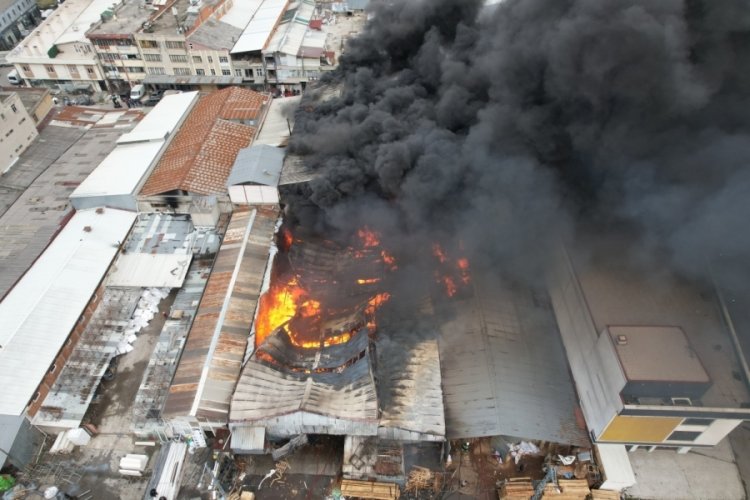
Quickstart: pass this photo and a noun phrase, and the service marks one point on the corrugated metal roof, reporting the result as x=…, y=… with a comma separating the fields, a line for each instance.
x=409, y=383
x=147, y=270
x=212, y=357
x=295, y=171
x=260, y=27
x=275, y=129
x=246, y=439
x=264, y=393
x=42, y=309
x=504, y=368
x=258, y=164
x=201, y=156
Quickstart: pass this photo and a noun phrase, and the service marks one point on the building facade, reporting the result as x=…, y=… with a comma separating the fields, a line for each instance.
x=17, y=129
x=17, y=19
x=652, y=362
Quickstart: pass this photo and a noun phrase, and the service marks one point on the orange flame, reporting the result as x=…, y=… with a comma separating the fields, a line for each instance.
x=368, y=281
x=450, y=286
x=286, y=239
x=438, y=252
x=277, y=306
x=389, y=260
x=368, y=237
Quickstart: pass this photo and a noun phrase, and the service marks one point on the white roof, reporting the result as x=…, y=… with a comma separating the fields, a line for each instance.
x=274, y=131
x=150, y=270
x=76, y=31
x=121, y=171
x=241, y=13
x=162, y=120
x=260, y=26
x=39, y=313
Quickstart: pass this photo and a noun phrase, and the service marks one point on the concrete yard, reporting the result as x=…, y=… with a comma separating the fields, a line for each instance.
x=705, y=474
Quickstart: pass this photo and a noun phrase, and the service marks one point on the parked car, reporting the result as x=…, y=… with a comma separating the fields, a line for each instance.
x=152, y=101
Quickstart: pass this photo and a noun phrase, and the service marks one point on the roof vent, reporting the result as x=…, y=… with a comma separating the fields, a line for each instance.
x=100, y=210
x=87, y=229
x=622, y=340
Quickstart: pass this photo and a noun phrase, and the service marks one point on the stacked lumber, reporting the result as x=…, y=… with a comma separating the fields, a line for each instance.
x=605, y=495
x=523, y=489
x=370, y=490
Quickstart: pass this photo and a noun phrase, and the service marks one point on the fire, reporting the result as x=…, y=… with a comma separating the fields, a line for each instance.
x=368, y=237
x=376, y=302
x=438, y=252
x=368, y=281
x=277, y=306
x=286, y=239
x=389, y=260
x=310, y=308
x=450, y=286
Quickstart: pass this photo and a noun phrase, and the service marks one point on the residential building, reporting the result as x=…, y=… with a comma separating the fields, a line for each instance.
x=57, y=52
x=37, y=101
x=17, y=129
x=153, y=43
x=652, y=361
x=17, y=19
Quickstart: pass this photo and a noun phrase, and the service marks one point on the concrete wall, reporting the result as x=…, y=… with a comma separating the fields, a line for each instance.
x=17, y=130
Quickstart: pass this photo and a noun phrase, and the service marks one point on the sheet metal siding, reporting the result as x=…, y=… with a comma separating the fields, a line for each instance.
x=579, y=336
x=225, y=365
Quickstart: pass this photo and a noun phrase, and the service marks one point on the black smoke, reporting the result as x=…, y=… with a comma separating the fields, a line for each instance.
x=503, y=128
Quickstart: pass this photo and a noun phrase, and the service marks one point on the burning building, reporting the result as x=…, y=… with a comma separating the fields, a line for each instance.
x=316, y=368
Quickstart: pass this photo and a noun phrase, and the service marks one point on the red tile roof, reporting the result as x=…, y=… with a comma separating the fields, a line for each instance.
x=202, y=153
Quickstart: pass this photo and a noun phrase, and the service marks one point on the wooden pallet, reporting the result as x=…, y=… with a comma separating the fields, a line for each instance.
x=370, y=490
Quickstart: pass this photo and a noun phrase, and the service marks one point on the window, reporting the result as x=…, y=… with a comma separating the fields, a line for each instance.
x=683, y=436
x=22, y=120
x=110, y=57
x=152, y=57
x=50, y=69
x=52, y=368
x=74, y=72
x=210, y=59
x=134, y=69
x=149, y=44
x=698, y=421
x=90, y=70
x=226, y=72
x=175, y=45
x=182, y=71
x=213, y=72
x=238, y=72
x=156, y=71
x=200, y=72
x=249, y=73
x=178, y=58
x=259, y=72
x=13, y=107
x=26, y=68
x=223, y=59
x=197, y=59
x=9, y=132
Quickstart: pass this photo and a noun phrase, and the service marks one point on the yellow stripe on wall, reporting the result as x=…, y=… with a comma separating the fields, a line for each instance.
x=627, y=429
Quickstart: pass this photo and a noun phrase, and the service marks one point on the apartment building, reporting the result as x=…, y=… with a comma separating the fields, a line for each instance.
x=17, y=129
x=57, y=52
x=17, y=19
x=152, y=43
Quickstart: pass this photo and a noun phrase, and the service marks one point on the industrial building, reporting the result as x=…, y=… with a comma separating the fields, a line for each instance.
x=17, y=129
x=17, y=19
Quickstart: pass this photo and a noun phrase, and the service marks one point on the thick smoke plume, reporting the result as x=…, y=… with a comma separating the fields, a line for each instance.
x=501, y=127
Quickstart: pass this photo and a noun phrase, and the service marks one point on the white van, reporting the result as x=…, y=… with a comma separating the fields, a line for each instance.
x=137, y=92
x=13, y=78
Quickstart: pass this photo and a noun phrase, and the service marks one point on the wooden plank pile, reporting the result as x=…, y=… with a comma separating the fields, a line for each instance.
x=605, y=495
x=421, y=479
x=523, y=489
x=370, y=490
